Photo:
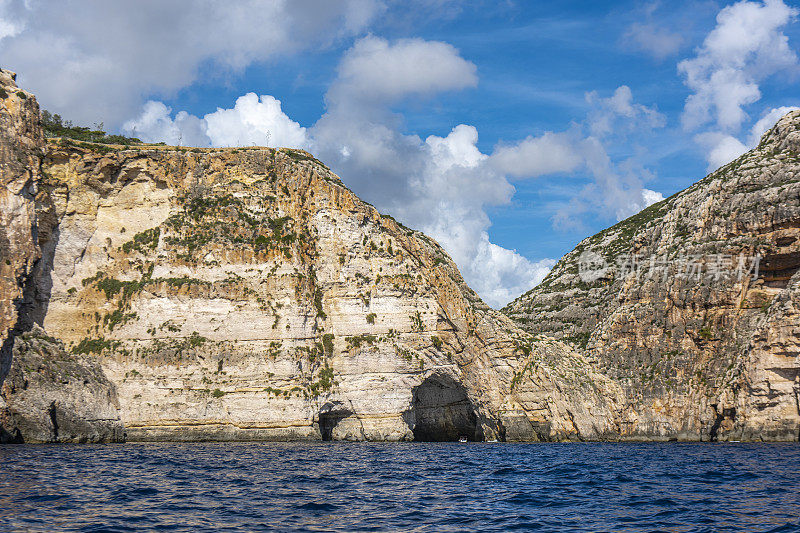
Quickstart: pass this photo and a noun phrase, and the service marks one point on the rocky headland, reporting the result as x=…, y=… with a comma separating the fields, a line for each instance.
x=691, y=306
x=166, y=293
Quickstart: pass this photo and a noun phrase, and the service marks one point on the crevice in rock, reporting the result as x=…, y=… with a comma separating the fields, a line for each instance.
x=442, y=412
x=797, y=403
x=726, y=413
x=777, y=269
x=54, y=420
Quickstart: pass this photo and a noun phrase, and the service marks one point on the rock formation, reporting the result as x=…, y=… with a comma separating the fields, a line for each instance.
x=21, y=149
x=247, y=294
x=46, y=394
x=53, y=396
x=691, y=305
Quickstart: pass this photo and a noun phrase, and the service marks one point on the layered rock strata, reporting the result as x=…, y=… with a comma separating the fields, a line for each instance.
x=46, y=394
x=691, y=305
x=248, y=294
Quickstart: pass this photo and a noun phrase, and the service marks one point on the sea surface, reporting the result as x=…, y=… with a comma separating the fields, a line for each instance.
x=667, y=487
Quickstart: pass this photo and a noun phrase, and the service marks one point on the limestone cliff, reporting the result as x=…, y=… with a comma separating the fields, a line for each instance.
x=248, y=294
x=21, y=144
x=241, y=294
x=691, y=305
x=46, y=395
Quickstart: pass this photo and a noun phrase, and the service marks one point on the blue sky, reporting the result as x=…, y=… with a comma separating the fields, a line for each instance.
x=580, y=108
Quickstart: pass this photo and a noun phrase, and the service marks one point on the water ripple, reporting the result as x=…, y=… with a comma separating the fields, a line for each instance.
x=671, y=487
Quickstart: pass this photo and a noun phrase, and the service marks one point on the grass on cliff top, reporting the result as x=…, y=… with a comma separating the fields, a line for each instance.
x=55, y=126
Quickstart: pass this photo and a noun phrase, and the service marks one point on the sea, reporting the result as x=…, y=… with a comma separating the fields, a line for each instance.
x=437, y=487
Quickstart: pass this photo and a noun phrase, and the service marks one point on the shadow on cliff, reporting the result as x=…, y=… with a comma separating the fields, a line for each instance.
x=38, y=288
x=36, y=291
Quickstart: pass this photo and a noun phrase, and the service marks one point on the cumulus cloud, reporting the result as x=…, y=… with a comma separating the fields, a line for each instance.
x=746, y=46
x=10, y=25
x=618, y=114
x=651, y=33
x=94, y=61
x=720, y=148
x=251, y=121
x=504, y=273
x=155, y=124
x=377, y=72
x=254, y=121
x=550, y=153
x=617, y=187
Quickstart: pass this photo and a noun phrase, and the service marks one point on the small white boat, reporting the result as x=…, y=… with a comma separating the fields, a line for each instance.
x=462, y=439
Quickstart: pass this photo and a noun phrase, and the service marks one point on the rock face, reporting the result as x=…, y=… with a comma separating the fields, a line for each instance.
x=46, y=395
x=21, y=144
x=53, y=396
x=676, y=308
x=247, y=294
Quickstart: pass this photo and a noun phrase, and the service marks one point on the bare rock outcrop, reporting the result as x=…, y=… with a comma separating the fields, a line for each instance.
x=46, y=394
x=50, y=395
x=248, y=294
x=21, y=149
x=691, y=305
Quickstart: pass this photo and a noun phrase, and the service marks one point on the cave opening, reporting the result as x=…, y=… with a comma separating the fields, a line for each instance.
x=442, y=412
x=328, y=421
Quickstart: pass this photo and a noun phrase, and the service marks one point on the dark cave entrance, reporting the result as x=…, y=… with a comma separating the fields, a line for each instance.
x=329, y=419
x=442, y=412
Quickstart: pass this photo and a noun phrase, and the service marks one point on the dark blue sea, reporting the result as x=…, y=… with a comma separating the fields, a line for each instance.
x=401, y=487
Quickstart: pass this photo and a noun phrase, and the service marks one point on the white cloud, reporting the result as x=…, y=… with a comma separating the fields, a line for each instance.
x=720, y=148
x=375, y=71
x=654, y=40
x=618, y=114
x=94, y=61
x=504, y=274
x=767, y=120
x=10, y=25
x=155, y=124
x=745, y=47
x=254, y=122
x=251, y=121
x=549, y=153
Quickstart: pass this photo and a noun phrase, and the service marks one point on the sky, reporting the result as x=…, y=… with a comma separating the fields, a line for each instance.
x=507, y=130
